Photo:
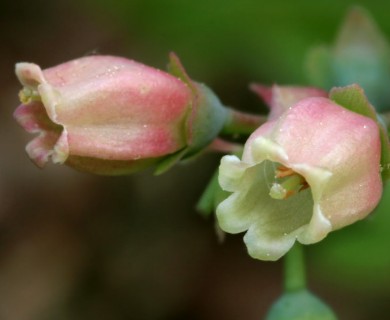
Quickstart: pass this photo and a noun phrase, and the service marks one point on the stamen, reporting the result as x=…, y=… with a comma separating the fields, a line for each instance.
x=283, y=171
x=26, y=95
x=291, y=183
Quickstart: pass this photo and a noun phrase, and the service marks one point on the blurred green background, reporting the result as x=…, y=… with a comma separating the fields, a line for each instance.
x=77, y=246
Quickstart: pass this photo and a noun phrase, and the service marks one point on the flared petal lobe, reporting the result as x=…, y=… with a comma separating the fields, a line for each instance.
x=325, y=159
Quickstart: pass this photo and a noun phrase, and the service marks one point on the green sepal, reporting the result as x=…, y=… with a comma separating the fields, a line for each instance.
x=206, y=116
x=176, y=69
x=169, y=161
x=300, y=305
x=208, y=120
x=353, y=98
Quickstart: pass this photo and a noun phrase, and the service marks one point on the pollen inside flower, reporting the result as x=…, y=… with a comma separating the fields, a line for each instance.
x=26, y=95
x=287, y=183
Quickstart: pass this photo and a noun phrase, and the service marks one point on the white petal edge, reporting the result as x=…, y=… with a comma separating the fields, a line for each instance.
x=231, y=170
x=229, y=220
x=268, y=249
x=29, y=74
x=50, y=99
x=317, y=229
x=319, y=226
x=61, y=148
x=265, y=149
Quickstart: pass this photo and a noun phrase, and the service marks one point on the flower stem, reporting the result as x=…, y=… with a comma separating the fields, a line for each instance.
x=294, y=269
x=238, y=122
x=219, y=145
x=205, y=204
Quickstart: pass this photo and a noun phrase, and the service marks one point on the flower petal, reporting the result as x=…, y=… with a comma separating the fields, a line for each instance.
x=230, y=173
x=319, y=226
x=265, y=149
x=280, y=98
x=121, y=142
x=33, y=118
x=251, y=204
x=29, y=74
x=41, y=148
x=317, y=229
x=264, y=245
x=337, y=154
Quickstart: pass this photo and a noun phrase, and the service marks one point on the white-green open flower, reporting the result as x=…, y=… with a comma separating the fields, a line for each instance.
x=314, y=169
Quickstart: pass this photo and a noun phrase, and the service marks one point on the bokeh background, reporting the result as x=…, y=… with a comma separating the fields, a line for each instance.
x=77, y=246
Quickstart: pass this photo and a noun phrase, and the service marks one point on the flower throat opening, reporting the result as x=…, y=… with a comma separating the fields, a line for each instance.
x=287, y=183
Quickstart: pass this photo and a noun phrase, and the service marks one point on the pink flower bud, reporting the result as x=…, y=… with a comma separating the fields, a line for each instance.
x=280, y=98
x=106, y=114
x=314, y=169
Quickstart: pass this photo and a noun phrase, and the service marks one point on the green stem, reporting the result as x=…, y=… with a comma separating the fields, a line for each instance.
x=242, y=123
x=206, y=204
x=294, y=269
